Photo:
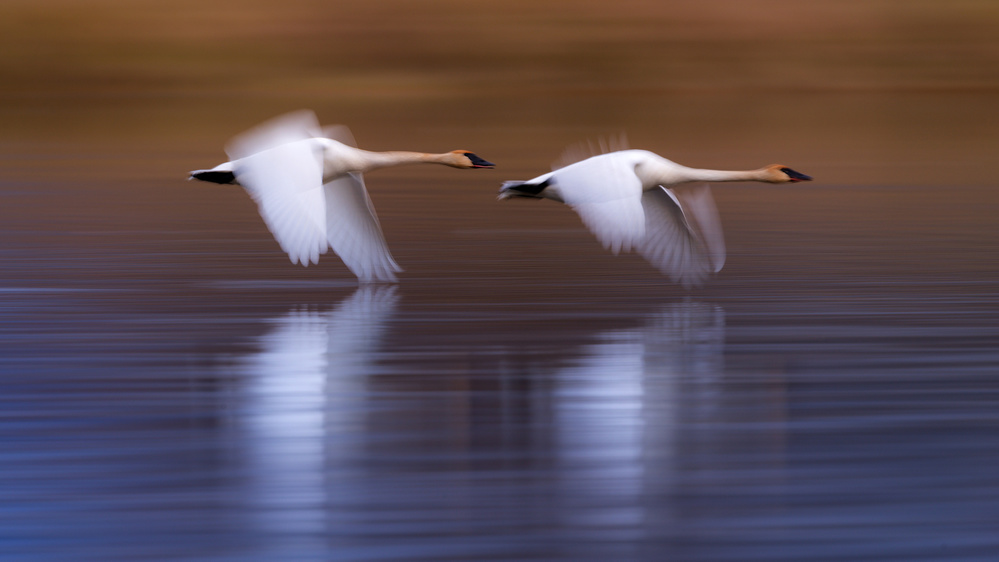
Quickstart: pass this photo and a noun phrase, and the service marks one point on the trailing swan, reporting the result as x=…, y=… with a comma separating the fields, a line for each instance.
x=307, y=182
x=626, y=198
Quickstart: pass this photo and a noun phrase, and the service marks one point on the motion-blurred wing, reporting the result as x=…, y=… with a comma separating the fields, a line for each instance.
x=702, y=215
x=607, y=194
x=287, y=183
x=352, y=226
x=582, y=151
x=353, y=231
x=618, y=224
x=672, y=245
x=339, y=133
x=282, y=172
x=283, y=129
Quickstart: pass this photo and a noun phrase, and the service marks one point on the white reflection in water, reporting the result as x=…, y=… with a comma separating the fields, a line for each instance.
x=617, y=411
x=314, y=451
x=309, y=370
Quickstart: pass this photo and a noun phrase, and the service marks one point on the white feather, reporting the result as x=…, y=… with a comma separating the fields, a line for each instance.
x=286, y=181
x=353, y=231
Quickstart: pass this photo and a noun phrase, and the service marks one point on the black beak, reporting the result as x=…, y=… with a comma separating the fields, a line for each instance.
x=795, y=176
x=479, y=162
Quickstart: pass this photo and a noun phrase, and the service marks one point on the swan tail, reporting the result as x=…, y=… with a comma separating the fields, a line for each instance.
x=530, y=190
x=214, y=176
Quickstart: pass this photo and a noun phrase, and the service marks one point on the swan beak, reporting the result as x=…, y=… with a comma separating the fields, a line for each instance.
x=795, y=176
x=479, y=162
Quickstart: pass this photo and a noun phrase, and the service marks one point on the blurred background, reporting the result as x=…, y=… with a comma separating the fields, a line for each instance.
x=880, y=93
x=173, y=388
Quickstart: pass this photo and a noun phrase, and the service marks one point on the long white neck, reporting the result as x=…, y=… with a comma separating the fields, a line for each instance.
x=654, y=170
x=375, y=160
x=342, y=159
x=698, y=174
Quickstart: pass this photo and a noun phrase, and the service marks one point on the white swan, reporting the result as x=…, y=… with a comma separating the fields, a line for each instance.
x=308, y=184
x=625, y=199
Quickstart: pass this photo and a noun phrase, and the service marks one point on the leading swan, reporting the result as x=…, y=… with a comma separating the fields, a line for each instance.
x=626, y=198
x=307, y=182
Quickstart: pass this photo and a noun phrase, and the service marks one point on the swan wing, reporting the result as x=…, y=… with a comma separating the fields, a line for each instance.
x=283, y=129
x=618, y=224
x=353, y=231
x=352, y=226
x=702, y=215
x=282, y=171
x=339, y=133
x=584, y=150
x=286, y=182
x=672, y=244
x=607, y=194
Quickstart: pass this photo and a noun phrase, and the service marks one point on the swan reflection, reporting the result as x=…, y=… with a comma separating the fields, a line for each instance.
x=337, y=427
x=618, y=408
x=302, y=385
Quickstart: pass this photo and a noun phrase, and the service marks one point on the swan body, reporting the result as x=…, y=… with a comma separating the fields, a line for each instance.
x=308, y=184
x=627, y=199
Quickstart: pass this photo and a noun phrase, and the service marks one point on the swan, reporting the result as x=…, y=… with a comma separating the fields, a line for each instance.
x=627, y=199
x=307, y=182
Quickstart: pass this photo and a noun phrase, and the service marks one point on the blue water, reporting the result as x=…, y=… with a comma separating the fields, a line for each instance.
x=273, y=422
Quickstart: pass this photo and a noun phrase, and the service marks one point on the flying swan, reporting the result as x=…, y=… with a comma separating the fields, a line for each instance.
x=626, y=198
x=307, y=182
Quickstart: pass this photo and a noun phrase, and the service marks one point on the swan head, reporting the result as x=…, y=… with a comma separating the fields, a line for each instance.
x=465, y=159
x=779, y=173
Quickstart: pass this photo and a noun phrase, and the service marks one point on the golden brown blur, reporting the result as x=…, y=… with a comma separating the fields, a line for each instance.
x=878, y=93
x=858, y=92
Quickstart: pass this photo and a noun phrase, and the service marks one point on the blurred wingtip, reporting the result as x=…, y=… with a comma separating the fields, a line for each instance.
x=288, y=127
